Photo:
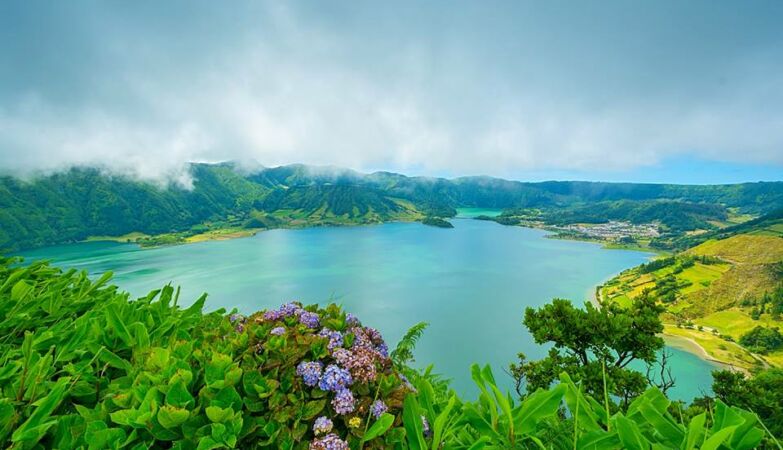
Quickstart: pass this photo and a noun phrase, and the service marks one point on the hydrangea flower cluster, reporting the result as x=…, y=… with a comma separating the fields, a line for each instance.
x=329, y=442
x=335, y=379
x=352, y=321
x=310, y=371
x=343, y=402
x=360, y=362
x=347, y=363
x=322, y=425
x=377, y=408
x=309, y=319
x=335, y=338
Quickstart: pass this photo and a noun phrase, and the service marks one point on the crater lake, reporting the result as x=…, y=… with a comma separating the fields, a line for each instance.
x=470, y=283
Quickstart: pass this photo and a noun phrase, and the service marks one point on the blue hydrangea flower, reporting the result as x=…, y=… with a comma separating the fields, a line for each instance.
x=335, y=338
x=309, y=319
x=334, y=378
x=310, y=371
x=343, y=402
x=277, y=331
x=322, y=425
x=377, y=408
x=383, y=350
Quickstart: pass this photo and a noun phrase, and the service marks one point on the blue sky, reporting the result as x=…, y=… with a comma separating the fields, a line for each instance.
x=663, y=91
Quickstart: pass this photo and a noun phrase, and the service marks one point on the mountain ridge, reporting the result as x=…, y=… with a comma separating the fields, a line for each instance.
x=81, y=202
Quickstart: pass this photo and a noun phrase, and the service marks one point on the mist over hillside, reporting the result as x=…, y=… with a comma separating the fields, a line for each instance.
x=82, y=202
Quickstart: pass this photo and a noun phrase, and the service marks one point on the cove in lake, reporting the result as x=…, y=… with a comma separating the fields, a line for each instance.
x=471, y=283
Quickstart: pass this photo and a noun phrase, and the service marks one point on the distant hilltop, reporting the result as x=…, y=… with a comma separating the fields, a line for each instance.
x=78, y=203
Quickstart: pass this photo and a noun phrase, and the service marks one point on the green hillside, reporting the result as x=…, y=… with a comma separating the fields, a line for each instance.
x=336, y=203
x=716, y=292
x=225, y=200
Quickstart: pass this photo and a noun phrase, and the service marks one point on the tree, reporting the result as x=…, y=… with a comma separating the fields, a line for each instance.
x=762, y=394
x=594, y=345
x=762, y=339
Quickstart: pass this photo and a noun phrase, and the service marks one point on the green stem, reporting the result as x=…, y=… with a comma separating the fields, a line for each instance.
x=606, y=396
x=576, y=416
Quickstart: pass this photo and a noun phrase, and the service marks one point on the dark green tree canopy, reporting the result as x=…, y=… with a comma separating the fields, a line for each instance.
x=588, y=342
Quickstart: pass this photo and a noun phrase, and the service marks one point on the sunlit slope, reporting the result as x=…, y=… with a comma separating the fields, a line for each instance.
x=715, y=292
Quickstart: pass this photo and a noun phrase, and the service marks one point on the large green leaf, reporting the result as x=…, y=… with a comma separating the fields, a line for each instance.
x=537, y=406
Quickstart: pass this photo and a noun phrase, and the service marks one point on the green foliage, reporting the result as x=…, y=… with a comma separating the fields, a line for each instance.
x=84, y=367
x=761, y=393
x=762, y=339
x=402, y=355
x=564, y=417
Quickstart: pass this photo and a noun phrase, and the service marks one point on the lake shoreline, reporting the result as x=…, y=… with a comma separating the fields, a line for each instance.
x=691, y=346
x=679, y=342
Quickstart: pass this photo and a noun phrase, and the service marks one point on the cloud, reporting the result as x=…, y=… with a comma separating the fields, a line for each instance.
x=437, y=88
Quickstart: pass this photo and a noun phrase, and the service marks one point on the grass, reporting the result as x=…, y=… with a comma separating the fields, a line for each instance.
x=736, y=322
x=701, y=276
x=129, y=237
x=222, y=234
x=743, y=249
x=631, y=284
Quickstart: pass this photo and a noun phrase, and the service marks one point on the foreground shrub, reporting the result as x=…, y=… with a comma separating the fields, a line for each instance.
x=84, y=367
x=563, y=417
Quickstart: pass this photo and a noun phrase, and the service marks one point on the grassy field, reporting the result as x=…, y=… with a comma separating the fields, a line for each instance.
x=631, y=283
x=735, y=322
x=130, y=237
x=743, y=249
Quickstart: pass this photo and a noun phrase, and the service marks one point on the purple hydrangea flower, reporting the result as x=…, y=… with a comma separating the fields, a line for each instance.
x=335, y=378
x=377, y=408
x=322, y=425
x=383, y=350
x=278, y=331
x=272, y=315
x=351, y=320
x=329, y=442
x=343, y=402
x=359, y=361
x=310, y=371
x=309, y=319
x=335, y=338
x=290, y=309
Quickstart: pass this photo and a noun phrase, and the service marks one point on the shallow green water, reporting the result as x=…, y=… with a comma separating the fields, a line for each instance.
x=471, y=283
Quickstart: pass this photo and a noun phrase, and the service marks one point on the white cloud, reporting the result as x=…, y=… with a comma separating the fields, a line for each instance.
x=294, y=88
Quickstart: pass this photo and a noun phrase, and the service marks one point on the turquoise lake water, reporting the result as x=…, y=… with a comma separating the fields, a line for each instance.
x=471, y=283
